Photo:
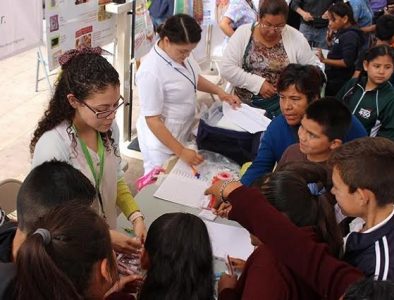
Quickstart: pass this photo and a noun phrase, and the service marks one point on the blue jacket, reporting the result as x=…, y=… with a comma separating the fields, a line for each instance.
x=372, y=252
x=276, y=139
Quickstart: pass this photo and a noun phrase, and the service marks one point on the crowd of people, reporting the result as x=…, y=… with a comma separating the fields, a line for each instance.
x=317, y=200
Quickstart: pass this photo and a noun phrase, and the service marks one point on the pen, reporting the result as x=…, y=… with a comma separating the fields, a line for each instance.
x=230, y=266
x=195, y=172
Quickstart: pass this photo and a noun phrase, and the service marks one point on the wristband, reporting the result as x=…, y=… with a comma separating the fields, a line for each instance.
x=135, y=215
x=224, y=185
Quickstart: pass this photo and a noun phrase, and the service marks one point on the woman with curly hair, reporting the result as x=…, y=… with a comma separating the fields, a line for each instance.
x=78, y=127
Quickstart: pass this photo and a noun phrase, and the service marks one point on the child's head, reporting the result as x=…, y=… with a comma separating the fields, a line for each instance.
x=363, y=171
x=370, y=289
x=48, y=185
x=87, y=92
x=323, y=128
x=340, y=15
x=300, y=191
x=379, y=64
x=178, y=259
x=298, y=85
x=68, y=253
x=385, y=29
x=179, y=35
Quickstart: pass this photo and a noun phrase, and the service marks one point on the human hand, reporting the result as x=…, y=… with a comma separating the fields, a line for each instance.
x=139, y=228
x=215, y=190
x=125, y=244
x=320, y=55
x=237, y=264
x=307, y=16
x=127, y=284
x=227, y=282
x=233, y=100
x=223, y=210
x=191, y=157
x=267, y=90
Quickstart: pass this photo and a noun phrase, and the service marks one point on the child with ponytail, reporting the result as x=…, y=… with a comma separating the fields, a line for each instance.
x=370, y=97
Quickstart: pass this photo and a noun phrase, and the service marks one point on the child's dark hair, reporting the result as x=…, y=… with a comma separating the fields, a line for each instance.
x=301, y=191
x=274, y=7
x=343, y=10
x=85, y=72
x=370, y=55
x=385, y=28
x=367, y=163
x=334, y=117
x=180, y=259
x=56, y=261
x=180, y=29
x=48, y=185
x=370, y=289
x=307, y=79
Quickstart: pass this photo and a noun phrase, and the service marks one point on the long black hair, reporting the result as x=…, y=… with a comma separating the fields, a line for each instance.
x=60, y=265
x=301, y=191
x=84, y=73
x=180, y=259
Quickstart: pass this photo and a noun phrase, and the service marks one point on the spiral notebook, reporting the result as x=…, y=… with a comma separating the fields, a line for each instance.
x=182, y=187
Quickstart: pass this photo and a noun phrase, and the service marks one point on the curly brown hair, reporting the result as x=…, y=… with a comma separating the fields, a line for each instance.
x=82, y=75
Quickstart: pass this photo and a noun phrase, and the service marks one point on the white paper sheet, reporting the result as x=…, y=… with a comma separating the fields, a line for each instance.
x=249, y=118
x=229, y=240
x=180, y=186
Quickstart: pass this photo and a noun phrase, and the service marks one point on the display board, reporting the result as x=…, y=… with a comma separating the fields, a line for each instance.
x=20, y=26
x=75, y=24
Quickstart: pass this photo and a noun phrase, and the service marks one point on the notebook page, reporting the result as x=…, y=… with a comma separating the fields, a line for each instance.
x=180, y=186
x=228, y=239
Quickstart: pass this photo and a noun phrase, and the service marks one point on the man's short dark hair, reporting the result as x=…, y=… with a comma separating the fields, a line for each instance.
x=49, y=185
x=385, y=28
x=333, y=116
x=367, y=163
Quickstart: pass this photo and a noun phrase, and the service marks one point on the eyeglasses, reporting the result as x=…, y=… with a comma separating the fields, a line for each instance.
x=273, y=27
x=106, y=113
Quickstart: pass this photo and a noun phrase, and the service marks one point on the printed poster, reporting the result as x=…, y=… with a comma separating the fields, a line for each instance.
x=20, y=26
x=144, y=34
x=76, y=24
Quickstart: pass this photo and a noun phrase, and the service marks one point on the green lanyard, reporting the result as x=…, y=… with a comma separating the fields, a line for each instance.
x=97, y=177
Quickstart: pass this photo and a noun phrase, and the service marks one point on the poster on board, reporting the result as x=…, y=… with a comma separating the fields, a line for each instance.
x=144, y=34
x=20, y=26
x=76, y=24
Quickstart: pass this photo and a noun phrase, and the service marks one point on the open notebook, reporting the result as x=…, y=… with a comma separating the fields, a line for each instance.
x=182, y=187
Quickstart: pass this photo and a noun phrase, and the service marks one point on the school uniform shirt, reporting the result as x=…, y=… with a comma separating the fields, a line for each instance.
x=276, y=139
x=346, y=45
x=167, y=89
x=58, y=144
x=265, y=277
x=301, y=254
x=374, y=109
x=372, y=251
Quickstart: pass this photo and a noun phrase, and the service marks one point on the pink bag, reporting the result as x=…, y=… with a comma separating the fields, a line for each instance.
x=149, y=178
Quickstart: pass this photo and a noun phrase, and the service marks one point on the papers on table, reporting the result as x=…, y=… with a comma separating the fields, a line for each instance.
x=248, y=118
x=182, y=187
x=229, y=240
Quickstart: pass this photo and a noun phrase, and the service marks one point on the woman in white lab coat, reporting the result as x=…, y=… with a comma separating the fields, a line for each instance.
x=167, y=82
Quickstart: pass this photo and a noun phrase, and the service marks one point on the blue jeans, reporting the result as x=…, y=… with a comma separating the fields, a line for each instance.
x=316, y=36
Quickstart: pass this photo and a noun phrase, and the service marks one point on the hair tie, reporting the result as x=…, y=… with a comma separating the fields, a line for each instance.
x=316, y=189
x=67, y=56
x=45, y=234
